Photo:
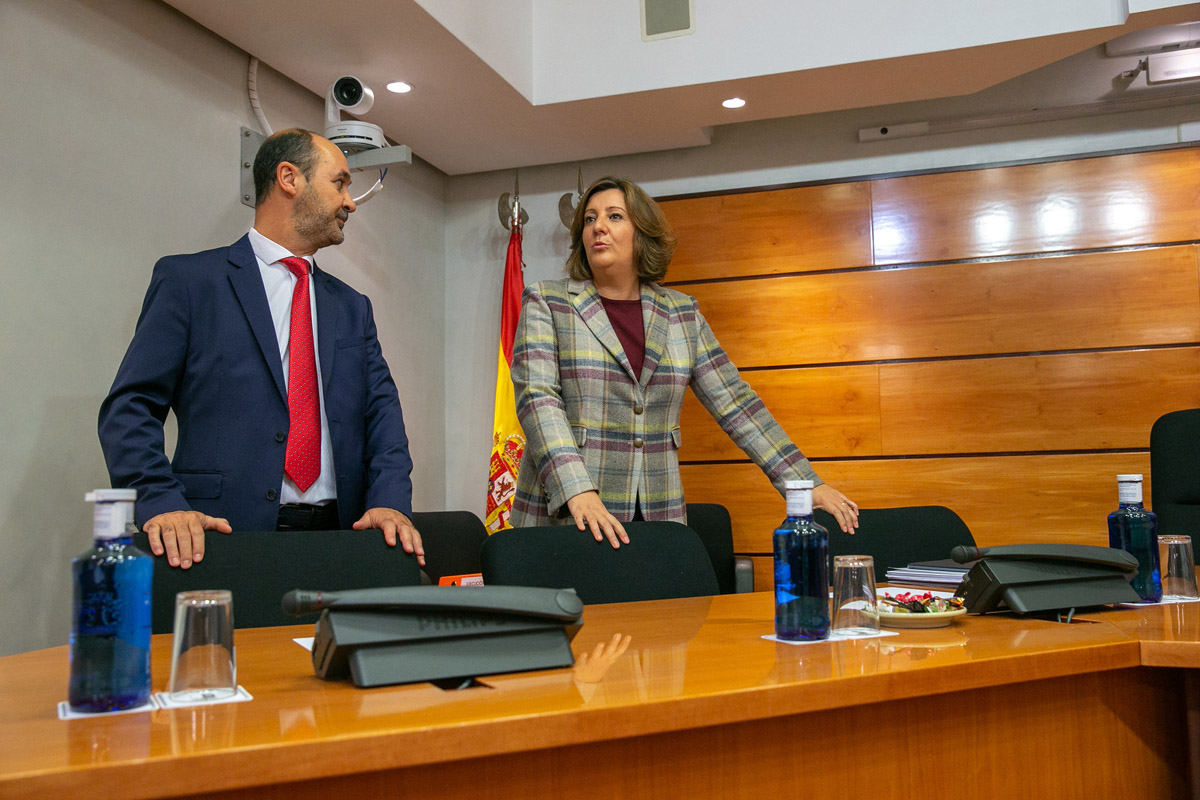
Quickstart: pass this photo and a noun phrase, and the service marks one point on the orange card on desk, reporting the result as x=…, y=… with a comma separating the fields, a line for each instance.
x=472, y=579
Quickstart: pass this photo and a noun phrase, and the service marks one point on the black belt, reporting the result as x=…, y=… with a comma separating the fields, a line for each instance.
x=302, y=517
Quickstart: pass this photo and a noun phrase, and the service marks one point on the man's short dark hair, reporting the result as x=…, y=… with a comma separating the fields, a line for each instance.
x=295, y=146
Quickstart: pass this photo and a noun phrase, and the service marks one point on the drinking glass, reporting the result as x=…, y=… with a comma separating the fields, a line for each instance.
x=855, y=609
x=1178, y=569
x=203, y=667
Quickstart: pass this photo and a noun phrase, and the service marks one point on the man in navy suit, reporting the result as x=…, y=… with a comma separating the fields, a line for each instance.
x=212, y=345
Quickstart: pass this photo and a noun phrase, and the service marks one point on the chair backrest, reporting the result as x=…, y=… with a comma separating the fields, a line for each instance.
x=452, y=540
x=259, y=567
x=896, y=537
x=662, y=560
x=711, y=523
x=1175, y=473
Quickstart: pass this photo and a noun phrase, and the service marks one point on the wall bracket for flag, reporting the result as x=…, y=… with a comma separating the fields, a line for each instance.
x=510, y=206
x=567, y=204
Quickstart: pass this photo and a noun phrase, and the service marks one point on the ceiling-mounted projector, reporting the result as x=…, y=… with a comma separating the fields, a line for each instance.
x=351, y=95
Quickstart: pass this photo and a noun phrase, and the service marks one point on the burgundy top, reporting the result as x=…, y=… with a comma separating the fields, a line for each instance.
x=626, y=319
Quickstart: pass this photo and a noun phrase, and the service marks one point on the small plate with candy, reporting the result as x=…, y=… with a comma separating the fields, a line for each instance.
x=918, y=609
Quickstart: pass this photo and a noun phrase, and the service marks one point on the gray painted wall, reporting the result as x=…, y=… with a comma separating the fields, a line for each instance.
x=120, y=122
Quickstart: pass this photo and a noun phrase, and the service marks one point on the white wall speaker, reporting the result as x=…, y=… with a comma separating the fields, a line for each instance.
x=663, y=19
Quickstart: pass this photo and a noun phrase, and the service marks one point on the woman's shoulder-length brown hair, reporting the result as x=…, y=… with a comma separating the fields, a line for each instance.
x=653, y=240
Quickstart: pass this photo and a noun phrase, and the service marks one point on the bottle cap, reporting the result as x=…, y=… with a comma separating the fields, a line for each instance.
x=111, y=496
x=112, y=516
x=1128, y=478
x=797, y=484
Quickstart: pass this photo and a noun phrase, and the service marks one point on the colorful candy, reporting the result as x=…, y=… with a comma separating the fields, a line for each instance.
x=913, y=603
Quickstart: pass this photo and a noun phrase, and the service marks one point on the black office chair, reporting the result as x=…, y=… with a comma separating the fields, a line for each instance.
x=452, y=540
x=896, y=537
x=710, y=521
x=1175, y=472
x=662, y=560
x=260, y=567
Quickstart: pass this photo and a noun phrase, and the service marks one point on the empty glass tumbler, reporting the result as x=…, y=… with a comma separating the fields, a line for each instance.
x=1178, y=569
x=203, y=667
x=855, y=607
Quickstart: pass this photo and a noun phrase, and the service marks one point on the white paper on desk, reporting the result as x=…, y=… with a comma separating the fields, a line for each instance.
x=921, y=577
x=892, y=592
x=306, y=642
x=65, y=712
x=1166, y=601
x=834, y=636
x=240, y=696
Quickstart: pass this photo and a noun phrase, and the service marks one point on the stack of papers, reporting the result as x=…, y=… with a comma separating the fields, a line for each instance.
x=929, y=573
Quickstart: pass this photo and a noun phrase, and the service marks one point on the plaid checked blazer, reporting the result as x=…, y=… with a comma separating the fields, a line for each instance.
x=590, y=423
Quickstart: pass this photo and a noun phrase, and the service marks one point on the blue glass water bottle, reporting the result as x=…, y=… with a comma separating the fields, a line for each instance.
x=110, y=633
x=801, y=569
x=1135, y=530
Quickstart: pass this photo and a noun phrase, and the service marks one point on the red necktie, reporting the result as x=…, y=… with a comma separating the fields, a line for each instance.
x=302, y=461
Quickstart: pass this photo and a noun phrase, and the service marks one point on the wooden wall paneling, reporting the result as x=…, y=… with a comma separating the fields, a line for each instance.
x=1074, y=401
x=1071, y=401
x=828, y=412
x=1003, y=499
x=761, y=233
x=1137, y=198
x=817, y=341
x=1128, y=298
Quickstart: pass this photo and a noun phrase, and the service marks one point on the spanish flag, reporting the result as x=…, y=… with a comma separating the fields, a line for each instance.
x=508, y=442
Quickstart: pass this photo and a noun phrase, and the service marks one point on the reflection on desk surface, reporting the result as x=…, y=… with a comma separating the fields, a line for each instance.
x=640, y=667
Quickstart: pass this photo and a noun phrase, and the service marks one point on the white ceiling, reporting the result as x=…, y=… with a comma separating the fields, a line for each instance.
x=520, y=82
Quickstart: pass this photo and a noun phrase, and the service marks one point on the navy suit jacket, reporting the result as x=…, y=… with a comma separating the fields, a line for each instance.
x=205, y=347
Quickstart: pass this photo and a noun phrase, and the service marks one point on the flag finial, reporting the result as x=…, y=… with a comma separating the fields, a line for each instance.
x=510, y=210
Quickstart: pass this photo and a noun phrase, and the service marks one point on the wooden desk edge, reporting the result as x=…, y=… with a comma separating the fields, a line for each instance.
x=373, y=751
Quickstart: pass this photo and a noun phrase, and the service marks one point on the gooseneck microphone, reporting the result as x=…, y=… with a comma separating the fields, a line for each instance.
x=1076, y=553
x=961, y=553
x=301, y=601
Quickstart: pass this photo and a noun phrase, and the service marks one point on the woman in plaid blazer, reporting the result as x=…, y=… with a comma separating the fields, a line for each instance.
x=600, y=366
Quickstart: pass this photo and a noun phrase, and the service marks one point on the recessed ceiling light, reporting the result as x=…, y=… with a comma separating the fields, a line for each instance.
x=734, y=102
x=399, y=87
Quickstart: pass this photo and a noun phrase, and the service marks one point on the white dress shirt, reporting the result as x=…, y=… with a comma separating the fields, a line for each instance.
x=279, y=282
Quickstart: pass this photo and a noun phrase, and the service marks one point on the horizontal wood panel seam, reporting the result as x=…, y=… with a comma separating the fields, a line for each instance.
x=896, y=267
x=916, y=456
x=1132, y=299
x=971, y=357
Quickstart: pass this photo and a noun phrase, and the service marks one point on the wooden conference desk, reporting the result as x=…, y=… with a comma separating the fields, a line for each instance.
x=698, y=705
